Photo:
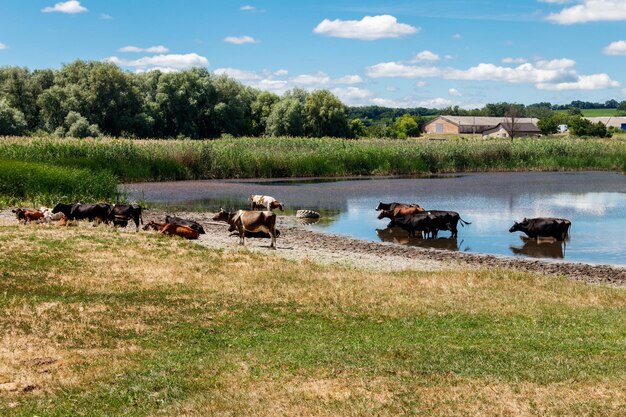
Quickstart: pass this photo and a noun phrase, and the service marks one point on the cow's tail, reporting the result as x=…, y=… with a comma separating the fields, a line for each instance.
x=464, y=222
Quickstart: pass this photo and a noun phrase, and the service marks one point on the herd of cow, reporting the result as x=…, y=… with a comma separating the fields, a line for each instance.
x=252, y=223
x=413, y=218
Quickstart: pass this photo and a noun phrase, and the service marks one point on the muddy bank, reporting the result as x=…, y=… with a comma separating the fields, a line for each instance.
x=298, y=243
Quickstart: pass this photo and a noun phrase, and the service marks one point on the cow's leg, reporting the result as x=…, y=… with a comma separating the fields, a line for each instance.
x=242, y=234
x=136, y=220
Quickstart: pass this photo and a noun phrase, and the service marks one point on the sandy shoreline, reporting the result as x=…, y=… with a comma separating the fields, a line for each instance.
x=298, y=243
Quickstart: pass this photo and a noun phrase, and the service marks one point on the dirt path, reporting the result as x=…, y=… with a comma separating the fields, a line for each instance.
x=298, y=243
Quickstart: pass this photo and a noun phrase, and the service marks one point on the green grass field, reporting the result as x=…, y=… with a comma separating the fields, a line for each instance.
x=96, y=322
x=596, y=112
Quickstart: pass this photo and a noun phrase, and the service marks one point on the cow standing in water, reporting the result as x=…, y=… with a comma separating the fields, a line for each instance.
x=264, y=202
x=250, y=221
x=543, y=227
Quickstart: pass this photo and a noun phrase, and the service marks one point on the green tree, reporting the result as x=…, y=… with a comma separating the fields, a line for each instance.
x=325, y=115
x=583, y=127
x=261, y=109
x=12, y=121
x=357, y=129
x=548, y=125
x=78, y=126
x=286, y=119
x=406, y=126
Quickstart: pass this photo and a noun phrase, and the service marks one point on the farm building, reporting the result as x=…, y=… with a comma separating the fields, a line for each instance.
x=456, y=125
x=617, y=122
x=520, y=129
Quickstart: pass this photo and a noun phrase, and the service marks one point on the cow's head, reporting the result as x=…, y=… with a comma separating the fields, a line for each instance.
x=19, y=213
x=276, y=205
x=222, y=216
x=385, y=213
x=379, y=207
x=515, y=227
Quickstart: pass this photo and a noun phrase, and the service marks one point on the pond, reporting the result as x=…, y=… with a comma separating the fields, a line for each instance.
x=595, y=202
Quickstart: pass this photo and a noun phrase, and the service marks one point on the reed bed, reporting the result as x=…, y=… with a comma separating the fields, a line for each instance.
x=34, y=184
x=163, y=160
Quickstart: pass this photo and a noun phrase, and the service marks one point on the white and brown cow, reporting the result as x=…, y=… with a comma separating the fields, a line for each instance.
x=265, y=202
x=250, y=221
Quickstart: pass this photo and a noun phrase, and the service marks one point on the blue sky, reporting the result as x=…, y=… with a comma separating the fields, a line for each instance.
x=431, y=53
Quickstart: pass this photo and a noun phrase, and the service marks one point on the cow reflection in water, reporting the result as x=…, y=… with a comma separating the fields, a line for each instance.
x=399, y=236
x=540, y=248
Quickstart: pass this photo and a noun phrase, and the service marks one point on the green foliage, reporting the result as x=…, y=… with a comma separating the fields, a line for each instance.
x=407, y=126
x=40, y=183
x=325, y=115
x=12, y=121
x=286, y=118
x=584, y=127
x=357, y=129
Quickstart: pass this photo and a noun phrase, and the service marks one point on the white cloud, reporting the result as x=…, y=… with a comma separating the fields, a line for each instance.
x=411, y=102
x=556, y=74
x=69, y=7
x=456, y=36
x=425, y=56
x=584, y=82
x=624, y=91
x=165, y=63
x=421, y=84
x=399, y=70
x=238, y=74
x=369, y=28
x=281, y=72
x=3, y=46
x=318, y=79
x=247, y=8
x=349, y=79
x=615, y=48
x=591, y=11
x=105, y=16
x=509, y=60
x=157, y=49
x=240, y=40
x=352, y=95
x=454, y=92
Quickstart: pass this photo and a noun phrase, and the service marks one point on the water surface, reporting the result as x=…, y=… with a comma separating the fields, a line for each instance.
x=595, y=202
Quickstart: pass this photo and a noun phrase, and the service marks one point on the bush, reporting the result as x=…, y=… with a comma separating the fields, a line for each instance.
x=12, y=121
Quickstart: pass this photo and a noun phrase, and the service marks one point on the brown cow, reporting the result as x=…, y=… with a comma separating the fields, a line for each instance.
x=187, y=232
x=399, y=211
x=250, y=221
x=28, y=215
x=172, y=229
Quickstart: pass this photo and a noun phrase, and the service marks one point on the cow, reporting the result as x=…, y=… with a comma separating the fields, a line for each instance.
x=154, y=226
x=264, y=202
x=446, y=220
x=184, y=222
x=66, y=209
x=28, y=215
x=172, y=229
x=252, y=221
x=400, y=210
x=49, y=216
x=421, y=222
x=91, y=212
x=120, y=214
x=391, y=206
x=543, y=227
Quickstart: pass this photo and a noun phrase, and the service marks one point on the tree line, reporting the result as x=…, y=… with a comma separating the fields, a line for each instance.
x=97, y=98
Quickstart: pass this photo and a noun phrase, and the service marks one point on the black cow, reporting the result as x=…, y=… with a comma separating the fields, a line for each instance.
x=90, y=212
x=120, y=214
x=64, y=208
x=184, y=222
x=393, y=206
x=543, y=227
x=446, y=220
x=420, y=222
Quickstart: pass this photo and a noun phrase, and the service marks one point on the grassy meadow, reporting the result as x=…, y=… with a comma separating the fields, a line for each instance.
x=97, y=322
